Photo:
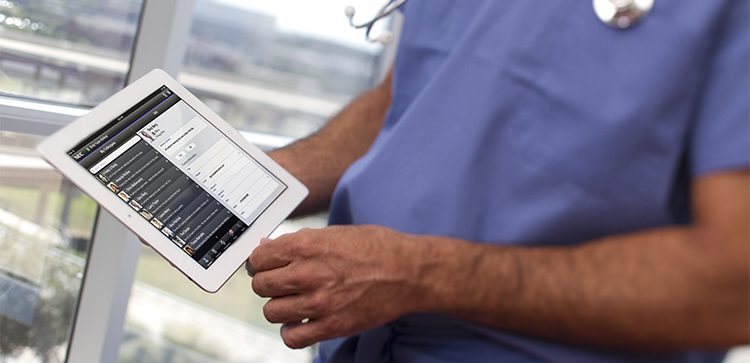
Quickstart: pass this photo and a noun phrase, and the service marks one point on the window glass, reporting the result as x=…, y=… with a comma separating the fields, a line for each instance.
x=71, y=51
x=45, y=229
x=278, y=68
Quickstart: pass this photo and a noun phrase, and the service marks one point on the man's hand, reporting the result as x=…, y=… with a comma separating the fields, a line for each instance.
x=338, y=280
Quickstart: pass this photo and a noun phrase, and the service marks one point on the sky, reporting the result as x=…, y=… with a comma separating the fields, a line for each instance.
x=324, y=19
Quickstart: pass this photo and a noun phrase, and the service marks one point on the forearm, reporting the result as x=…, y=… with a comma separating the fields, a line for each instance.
x=320, y=159
x=658, y=290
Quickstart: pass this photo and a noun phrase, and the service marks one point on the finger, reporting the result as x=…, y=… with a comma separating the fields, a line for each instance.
x=275, y=283
x=267, y=256
x=293, y=308
x=298, y=335
x=293, y=279
x=281, y=251
x=248, y=268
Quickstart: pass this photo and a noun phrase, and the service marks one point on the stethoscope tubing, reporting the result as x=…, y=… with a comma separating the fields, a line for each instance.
x=385, y=11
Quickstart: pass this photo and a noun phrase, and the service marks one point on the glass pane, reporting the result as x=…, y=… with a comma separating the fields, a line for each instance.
x=45, y=229
x=71, y=51
x=278, y=67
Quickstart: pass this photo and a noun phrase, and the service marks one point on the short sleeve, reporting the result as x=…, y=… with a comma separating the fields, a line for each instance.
x=720, y=138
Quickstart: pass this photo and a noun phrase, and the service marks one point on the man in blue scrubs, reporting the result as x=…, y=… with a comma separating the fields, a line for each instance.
x=529, y=185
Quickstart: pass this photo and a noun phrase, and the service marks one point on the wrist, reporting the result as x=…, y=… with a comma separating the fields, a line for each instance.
x=439, y=273
x=279, y=156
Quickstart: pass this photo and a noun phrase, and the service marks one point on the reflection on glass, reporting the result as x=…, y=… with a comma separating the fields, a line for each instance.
x=45, y=228
x=72, y=51
x=279, y=67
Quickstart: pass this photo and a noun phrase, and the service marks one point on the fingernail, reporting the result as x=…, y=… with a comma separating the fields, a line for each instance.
x=265, y=240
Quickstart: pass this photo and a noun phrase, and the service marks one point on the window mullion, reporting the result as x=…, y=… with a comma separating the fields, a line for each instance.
x=160, y=43
x=162, y=39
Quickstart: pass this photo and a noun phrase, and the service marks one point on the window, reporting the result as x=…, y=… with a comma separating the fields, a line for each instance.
x=252, y=63
x=71, y=51
x=45, y=229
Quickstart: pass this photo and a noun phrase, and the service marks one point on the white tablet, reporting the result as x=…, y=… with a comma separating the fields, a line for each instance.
x=177, y=175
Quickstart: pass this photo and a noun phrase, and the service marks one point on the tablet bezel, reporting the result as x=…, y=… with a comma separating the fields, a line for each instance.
x=54, y=149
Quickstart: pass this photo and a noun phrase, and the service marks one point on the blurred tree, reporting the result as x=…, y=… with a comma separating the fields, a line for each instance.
x=13, y=337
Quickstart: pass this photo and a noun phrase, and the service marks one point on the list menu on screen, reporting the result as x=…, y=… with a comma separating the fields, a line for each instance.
x=180, y=173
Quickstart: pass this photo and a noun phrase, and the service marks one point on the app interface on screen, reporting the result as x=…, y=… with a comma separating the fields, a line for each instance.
x=180, y=173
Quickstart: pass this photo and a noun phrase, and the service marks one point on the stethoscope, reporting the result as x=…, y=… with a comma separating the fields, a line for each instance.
x=617, y=14
x=387, y=9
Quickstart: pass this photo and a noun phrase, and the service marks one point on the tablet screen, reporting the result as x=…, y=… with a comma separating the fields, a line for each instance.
x=180, y=173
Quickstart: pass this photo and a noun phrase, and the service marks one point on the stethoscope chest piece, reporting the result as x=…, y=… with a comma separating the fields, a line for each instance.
x=622, y=14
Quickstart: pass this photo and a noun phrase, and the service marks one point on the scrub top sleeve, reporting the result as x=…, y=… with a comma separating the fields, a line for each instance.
x=720, y=139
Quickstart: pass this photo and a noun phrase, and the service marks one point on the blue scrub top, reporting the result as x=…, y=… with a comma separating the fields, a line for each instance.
x=531, y=123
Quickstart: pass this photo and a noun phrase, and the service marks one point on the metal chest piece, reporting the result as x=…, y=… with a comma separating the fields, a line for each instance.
x=622, y=14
